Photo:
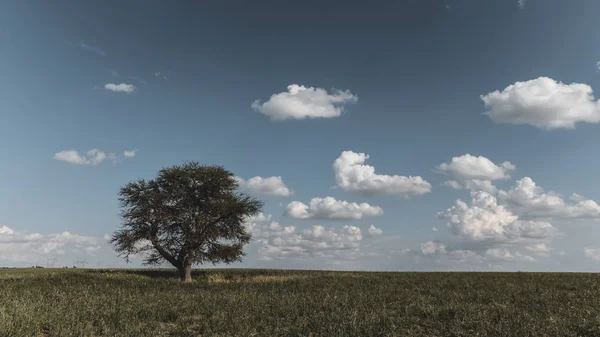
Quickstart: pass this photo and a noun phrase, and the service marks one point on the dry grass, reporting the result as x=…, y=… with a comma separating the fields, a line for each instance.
x=234, y=278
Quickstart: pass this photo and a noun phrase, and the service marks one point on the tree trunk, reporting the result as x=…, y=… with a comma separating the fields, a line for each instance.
x=185, y=272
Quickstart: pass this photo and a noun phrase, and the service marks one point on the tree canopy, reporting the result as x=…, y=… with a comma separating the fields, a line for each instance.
x=189, y=214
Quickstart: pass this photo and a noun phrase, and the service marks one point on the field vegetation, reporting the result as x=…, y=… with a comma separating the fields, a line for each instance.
x=241, y=302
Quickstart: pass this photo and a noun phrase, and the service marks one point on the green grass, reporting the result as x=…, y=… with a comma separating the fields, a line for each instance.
x=59, y=302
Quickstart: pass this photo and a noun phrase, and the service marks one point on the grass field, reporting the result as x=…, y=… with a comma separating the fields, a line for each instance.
x=76, y=302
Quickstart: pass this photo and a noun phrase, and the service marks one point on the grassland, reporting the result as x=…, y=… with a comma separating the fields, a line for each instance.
x=66, y=302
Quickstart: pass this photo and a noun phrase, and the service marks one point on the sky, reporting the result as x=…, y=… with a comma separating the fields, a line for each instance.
x=382, y=135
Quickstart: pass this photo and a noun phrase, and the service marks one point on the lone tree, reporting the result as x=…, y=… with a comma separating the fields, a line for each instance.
x=189, y=214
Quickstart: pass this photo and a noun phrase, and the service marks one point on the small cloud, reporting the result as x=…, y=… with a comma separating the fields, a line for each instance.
x=374, y=231
x=162, y=75
x=266, y=186
x=92, y=157
x=123, y=87
x=91, y=49
x=434, y=229
x=130, y=154
x=447, y=6
x=301, y=102
x=598, y=66
x=521, y=3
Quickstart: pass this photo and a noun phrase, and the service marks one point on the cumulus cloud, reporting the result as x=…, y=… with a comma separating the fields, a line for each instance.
x=528, y=200
x=123, y=87
x=130, y=154
x=541, y=249
x=486, y=220
x=287, y=242
x=521, y=3
x=475, y=172
x=505, y=254
x=592, y=253
x=329, y=208
x=430, y=248
x=92, y=157
x=18, y=248
x=267, y=186
x=544, y=103
x=445, y=255
x=352, y=175
x=374, y=231
x=302, y=102
x=6, y=230
x=260, y=217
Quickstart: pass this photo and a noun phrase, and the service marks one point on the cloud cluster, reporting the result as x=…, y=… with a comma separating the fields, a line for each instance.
x=20, y=248
x=443, y=254
x=266, y=186
x=260, y=217
x=92, y=157
x=286, y=242
x=352, y=175
x=329, y=208
x=475, y=173
x=486, y=220
x=528, y=200
x=123, y=87
x=544, y=103
x=506, y=255
x=301, y=102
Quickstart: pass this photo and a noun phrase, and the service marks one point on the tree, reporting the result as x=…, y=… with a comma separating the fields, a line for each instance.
x=189, y=214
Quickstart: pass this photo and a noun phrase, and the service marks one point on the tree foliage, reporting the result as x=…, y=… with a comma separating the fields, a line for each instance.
x=189, y=214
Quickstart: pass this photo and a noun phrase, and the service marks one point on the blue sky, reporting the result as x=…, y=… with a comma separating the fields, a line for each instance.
x=406, y=79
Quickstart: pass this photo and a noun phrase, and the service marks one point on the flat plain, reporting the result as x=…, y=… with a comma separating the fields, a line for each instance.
x=248, y=302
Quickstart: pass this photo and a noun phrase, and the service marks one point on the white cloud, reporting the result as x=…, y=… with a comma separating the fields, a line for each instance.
x=374, y=231
x=92, y=157
x=434, y=229
x=130, y=154
x=504, y=254
x=123, y=87
x=431, y=248
x=267, y=186
x=6, y=230
x=475, y=173
x=329, y=208
x=598, y=65
x=592, y=253
x=521, y=3
x=486, y=220
x=18, y=248
x=541, y=249
x=468, y=167
x=528, y=200
x=352, y=175
x=305, y=102
x=544, y=103
x=91, y=49
x=279, y=242
x=260, y=217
